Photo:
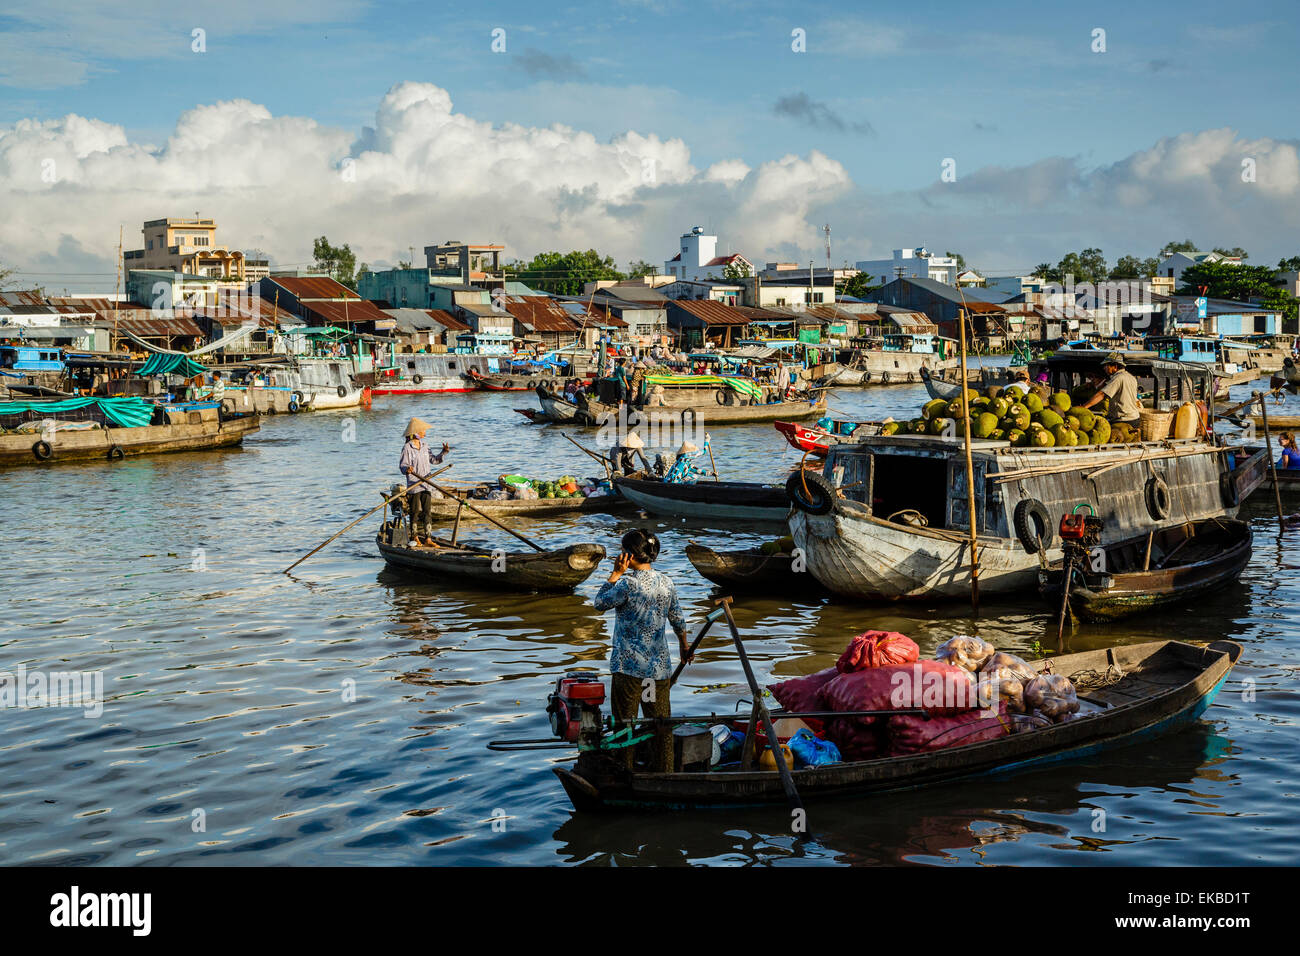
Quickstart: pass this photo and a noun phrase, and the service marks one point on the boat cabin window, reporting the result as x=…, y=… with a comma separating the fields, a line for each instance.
x=903, y=482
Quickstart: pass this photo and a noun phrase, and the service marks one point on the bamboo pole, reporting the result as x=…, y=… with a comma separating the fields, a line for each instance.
x=352, y=523
x=712, y=463
x=1272, y=465
x=970, y=471
x=450, y=493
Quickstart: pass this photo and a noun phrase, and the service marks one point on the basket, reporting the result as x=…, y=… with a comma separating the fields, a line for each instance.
x=1155, y=425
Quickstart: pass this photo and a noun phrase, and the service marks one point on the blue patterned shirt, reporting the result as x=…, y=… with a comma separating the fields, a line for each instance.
x=645, y=600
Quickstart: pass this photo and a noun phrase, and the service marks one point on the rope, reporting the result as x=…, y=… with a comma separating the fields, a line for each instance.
x=1090, y=679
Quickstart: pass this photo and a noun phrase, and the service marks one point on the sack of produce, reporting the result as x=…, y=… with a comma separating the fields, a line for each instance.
x=857, y=738
x=964, y=651
x=1022, y=723
x=523, y=492
x=1005, y=676
x=810, y=751
x=1052, y=695
x=801, y=693
x=932, y=686
x=876, y=649
x=910, y=734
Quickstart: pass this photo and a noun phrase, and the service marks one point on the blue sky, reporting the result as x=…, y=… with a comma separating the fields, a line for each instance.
x=886, y=93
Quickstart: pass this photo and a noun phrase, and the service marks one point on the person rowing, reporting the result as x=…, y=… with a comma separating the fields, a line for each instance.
x=416, y=463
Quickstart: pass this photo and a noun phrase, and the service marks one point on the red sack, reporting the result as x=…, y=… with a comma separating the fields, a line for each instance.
x=932, y=686
x=876, y=649
x=911, y=734
x=857, y=739
x=800, y=693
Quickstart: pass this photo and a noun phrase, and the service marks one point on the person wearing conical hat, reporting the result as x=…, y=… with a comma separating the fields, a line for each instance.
x=416, y=463
x=622, y=456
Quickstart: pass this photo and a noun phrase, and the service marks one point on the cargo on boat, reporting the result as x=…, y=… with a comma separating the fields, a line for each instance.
x=888, y=518
x=1133, y=694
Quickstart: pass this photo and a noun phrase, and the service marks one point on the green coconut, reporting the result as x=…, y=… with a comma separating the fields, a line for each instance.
x=979, y=403
x=1000, y=407
x=890, y=428
x=1042, y=438
x=939, y=425
x=984, y=424
x=1087, y=420
x=1101, y=432
x=917, y=426
x=1064, y=436
x=993, y=391
x=998, y=434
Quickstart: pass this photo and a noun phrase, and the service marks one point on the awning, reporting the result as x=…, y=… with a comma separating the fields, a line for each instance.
x=124, y=412
x=167, y=363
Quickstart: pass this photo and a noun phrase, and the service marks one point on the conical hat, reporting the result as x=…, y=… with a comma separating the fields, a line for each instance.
x=633, y=440
x=416, y=427
x=688, y=447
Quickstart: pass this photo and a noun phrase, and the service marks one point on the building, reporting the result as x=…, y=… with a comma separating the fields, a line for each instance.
x=1226, y=318
x=185, y=245
x=320, y=301
x=943, y=303
x=255, y=270
x=698, y=258
x=725, y=292
x=1173, y=265
x=473, y=263
x=27, y=317
x=540, y=320
x=970, y=277
x=916, y=263
x=646, y=320
x=704, y=323
x=424, y=330
x=1013, y=285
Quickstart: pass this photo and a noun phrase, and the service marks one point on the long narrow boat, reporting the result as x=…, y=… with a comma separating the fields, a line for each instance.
x=559, y=570
x=752, y=570
x=817, y=439
x=733, y=500
x=556, y=407
x=512, y=381
x=1133, y=695
x=1167, y=567
x=598, y=413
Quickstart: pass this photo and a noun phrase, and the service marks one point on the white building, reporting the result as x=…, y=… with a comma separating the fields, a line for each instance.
x=911, y=264
x=1013, y=285
x=1172, y=266
x=698, y=258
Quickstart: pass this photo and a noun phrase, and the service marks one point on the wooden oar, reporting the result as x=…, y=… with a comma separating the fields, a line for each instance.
x=709, y=446
x=1268, y=450
x=352, y=523
x=604, y=462
x=714, y=615
x=787, y=781
x=464, y=503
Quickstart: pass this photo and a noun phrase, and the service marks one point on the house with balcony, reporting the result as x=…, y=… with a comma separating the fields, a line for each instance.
x=185, y=245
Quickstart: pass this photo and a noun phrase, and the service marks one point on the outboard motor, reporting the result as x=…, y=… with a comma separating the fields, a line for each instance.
x=574, y=707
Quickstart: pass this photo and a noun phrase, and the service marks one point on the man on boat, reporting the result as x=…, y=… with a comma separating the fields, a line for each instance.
x=622, y=456
x=1122, y=390
x=1019, y=382
x=782, y=378
x=645, y=602
x=416, y=463
x=218, y=387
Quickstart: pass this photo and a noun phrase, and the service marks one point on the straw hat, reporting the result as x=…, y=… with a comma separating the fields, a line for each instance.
x=633, y=440
x=687, y=448
x=416, y=427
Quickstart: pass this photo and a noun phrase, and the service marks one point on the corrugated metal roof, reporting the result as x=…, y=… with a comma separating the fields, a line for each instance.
x=336, y=313
x=312, y=287
x=423, y=320
x=160, y=327
x=540, y=313
x=710, y=312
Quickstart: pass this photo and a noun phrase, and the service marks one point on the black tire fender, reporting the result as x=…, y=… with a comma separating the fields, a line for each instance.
x=343, y=391
x=417, y=378
x=720, y=396
x=811, y=492
x=688, y=416
x=508, y=383
x=866, y=378
x=1033, y=525
x=298, y=396
x=1156, y=494
x=294, y=407
x=42, y=450
x=115, y=453
x=884, y=378
x=1228, y=490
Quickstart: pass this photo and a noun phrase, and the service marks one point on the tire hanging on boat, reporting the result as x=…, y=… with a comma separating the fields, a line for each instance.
x=115, y=453
x=1033, y=525
x=297, y=396
x=1157, y=498
x=819, y=496
x=417, y=378
x=1228, y=490
x=293, y=407
x=884, y=378
x=343, y=391
x=42, y=450
x=720, y=396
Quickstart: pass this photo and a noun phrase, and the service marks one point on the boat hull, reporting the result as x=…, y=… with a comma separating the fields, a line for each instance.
x=725, y=500
x=560, y=570
x=753, y=571
x=1166, y=686
x=597, y=413
x=444, y=509
x=98, y=444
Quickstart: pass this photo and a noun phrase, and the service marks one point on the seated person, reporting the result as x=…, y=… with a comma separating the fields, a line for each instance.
x=1290, y=455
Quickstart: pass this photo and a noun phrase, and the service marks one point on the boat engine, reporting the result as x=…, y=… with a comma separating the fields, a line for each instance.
x=574, y=708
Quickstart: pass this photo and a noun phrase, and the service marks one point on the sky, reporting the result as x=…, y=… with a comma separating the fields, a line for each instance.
x=1012, y=133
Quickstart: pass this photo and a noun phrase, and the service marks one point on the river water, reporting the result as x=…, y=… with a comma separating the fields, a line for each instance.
x=340, y=716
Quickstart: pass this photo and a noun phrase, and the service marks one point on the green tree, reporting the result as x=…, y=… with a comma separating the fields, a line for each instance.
x=1086, y=266
x=1289, y=265
x=636, y=270
x=5, y=273
x=1170, y=248
x=961, y=260
x=1235, y=252
x=339, y=262
x=567, y=273
x=1240, y=283
x=857, y=285
x=735, y=271
x=1131, y=267
x=1047, y=272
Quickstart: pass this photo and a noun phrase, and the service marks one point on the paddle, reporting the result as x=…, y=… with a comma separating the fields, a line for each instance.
x=386, y=501
x=600, y=458
x=714, y=615
x=787, y=781
x=465, y=503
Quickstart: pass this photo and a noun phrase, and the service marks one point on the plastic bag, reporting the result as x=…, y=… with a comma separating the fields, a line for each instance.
x=800, y=694
x=968, y=653
x=1005, y=676
x=876, y=649
x=909, y=734
x=811, y=752
x=1053, y=696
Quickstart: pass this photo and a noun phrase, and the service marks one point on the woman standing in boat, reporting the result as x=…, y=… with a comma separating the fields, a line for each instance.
x=644, y=601
x=416, y=463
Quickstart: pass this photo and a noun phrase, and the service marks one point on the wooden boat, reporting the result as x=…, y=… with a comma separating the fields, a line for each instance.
x=1144, y=692
x=752, y=570
x=188, y=431
x=734, y=500
x=598, y=413
x=1184, y=561
x=817, y=439
x=556, y=407
x=945, y=383
x=511, y=381
x=560, y=570
x=445, y=509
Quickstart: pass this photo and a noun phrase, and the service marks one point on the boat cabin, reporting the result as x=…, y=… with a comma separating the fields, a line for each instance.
x=1163, y=384
x=31, y=358
x=922, y=343
x=1226, y=354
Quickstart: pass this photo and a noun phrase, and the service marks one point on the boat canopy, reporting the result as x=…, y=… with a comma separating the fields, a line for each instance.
x=124, y=412
x=168, y=363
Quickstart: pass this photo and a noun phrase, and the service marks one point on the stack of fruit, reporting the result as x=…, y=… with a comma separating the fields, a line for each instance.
x=779, y=546
x=566, y=487
x=1035, y=420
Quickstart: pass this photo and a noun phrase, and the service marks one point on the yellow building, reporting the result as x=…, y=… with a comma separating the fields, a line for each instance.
x=184, y=245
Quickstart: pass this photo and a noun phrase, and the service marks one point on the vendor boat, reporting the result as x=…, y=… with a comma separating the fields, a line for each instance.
x=1153, y=570
x=730, y=500
x=1132, y=695
x=888, y=518
x=817, y=439
x=903, y=358
x=946, y=384
x=556, y=407
x=753, y=570
x=447, y=508
x=559, y=570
